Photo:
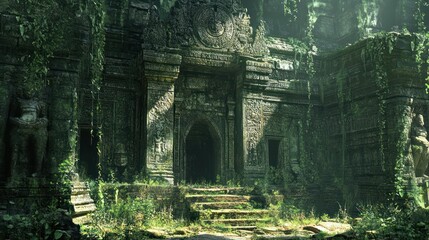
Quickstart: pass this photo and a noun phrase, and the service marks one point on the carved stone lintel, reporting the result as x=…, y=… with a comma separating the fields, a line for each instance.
x=161, y=66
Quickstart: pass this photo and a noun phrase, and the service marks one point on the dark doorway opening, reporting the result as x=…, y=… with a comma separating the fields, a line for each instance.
x=88, y=156
x=202, y=155
x=273, y=152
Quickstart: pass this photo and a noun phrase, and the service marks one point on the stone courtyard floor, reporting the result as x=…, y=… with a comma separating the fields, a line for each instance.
x=322, y=230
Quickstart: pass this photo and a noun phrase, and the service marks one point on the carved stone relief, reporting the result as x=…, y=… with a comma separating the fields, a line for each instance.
x=220, y=25
x=160, y=126
x=254, y=127
x=420, y=146
x=214, y=26
x=28, y=138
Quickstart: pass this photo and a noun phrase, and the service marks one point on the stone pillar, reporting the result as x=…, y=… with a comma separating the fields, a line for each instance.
x=255, y=80
x=160, y=72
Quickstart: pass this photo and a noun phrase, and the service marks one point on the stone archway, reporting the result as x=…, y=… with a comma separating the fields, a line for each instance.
x=202, y=154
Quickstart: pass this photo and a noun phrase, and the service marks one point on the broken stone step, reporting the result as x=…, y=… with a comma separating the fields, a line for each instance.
x=82, y=219
x=237, y=222
x=235, y=213
x=84, y=209
x=221, y=205
x=218, y=190
x=217, y=198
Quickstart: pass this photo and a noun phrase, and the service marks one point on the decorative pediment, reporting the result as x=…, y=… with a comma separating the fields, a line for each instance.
x=219, y=24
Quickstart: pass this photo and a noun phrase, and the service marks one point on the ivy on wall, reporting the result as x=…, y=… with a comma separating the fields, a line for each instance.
x=46, y=27
x=304, y=63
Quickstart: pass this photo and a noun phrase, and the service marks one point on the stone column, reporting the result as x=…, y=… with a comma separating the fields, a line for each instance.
x=255, y=80
x=160, y=72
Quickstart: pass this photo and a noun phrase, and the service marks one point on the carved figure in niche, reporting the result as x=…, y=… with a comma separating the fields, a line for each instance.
x=420, y=146
x=28, y=137
x=121, y=160
x=159, y=147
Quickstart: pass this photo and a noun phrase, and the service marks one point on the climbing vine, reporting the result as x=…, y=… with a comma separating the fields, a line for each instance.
x=304, y=62
x=367, y=17
x=43, y=25
x=290, y=7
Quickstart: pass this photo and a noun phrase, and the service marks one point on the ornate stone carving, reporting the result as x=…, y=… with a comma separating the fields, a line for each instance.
x=155, y=35
x=254, y=126
x=160, y=126
x=28, y=138
x=214, y=26
x=420, y=146
x=221, y=25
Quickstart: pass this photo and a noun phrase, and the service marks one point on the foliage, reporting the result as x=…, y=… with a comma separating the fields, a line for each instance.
x=391, y=222
x=290, y=7
x=45, y=26
x=40, y=224
x=120, y=216
x=286, y=212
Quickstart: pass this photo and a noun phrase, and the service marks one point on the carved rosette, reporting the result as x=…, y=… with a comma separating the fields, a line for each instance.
x=221, y=25
x=214, y=26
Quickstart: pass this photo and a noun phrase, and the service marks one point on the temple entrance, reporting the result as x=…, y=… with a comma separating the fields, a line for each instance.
x=88, y=157
x=202, y=154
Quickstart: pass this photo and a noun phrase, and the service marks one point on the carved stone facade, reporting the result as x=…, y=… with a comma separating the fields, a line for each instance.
x=200, y=88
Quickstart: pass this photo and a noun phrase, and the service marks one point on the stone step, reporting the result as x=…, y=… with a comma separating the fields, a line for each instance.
x=217, y=198
x=81, y=199
x=234, y=214
x=82, y=203
x=84, y=209
x=82, y=219
x=237, y=221
x=80, y=185
x=221, y=205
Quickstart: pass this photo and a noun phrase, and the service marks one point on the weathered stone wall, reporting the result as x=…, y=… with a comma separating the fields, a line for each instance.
x=121, y=98
x=361, y=121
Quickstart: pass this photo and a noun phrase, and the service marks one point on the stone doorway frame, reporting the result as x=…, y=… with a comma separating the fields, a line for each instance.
x=218, y=143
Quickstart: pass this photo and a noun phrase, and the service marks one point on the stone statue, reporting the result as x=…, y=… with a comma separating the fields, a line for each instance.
x=28, y=137
x=420, y=146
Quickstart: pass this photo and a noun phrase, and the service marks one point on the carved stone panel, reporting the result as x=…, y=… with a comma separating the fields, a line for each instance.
x=160, y=125
x=254, y=131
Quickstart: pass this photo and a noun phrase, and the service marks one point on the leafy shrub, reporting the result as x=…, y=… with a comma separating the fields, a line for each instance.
x=129, y=212
x=46, y=223
x=392, y=222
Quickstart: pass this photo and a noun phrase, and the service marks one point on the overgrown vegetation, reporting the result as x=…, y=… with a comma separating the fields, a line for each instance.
x=40, y=223
x=391, y=222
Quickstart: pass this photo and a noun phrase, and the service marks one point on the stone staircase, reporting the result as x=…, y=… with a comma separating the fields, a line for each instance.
x=232, y=208
x=83, y=205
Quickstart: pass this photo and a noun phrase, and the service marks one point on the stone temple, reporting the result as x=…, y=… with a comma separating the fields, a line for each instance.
x=228, y=91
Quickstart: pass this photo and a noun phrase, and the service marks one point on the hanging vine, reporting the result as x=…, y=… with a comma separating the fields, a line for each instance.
x=367, y=17
x=44, y=25
x=290, y=8
x=45, y=28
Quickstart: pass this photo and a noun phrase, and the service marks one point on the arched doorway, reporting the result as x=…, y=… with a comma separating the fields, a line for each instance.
x=202, y=154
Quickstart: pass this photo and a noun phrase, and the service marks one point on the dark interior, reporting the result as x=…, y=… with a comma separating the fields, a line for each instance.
x=273, y=152
x=201, y=155
x=88, y=157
